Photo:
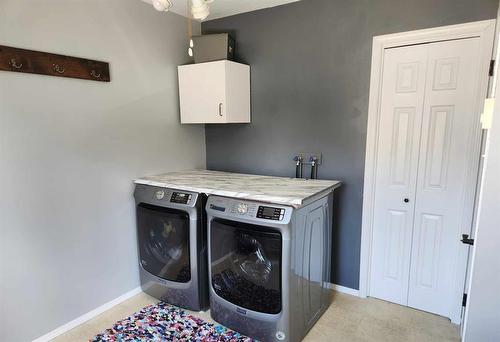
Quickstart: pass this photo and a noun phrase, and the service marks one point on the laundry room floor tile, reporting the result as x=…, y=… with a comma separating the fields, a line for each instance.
x=349, y=318
x=355, y=319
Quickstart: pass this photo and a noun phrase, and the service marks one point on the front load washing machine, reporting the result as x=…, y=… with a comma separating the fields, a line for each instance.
x=172, y=244
x=269, y=266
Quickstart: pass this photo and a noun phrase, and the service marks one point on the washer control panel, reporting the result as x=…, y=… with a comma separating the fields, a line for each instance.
x=165, y=196
x=270, y=213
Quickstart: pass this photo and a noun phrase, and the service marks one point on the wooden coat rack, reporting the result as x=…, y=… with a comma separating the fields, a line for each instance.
x=44, y=63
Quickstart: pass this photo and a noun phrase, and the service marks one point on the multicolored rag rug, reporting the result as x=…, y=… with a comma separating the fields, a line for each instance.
x=163, y=322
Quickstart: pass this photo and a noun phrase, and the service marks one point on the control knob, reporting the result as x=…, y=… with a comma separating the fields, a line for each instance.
x=160, y=194
x=242, y=208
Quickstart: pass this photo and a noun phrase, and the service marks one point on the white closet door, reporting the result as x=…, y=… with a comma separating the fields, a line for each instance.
x=403, y=89
x=443, y=209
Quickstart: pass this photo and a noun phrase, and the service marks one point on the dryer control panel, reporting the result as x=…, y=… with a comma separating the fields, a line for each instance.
x=236, y=208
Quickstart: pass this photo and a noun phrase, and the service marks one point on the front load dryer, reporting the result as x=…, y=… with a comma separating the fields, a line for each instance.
x=172, y=245
x=269, y=266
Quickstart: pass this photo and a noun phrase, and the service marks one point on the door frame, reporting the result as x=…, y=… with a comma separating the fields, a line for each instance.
x=484, y=30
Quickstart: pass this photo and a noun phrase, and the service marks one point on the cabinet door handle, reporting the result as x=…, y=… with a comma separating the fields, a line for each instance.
x=220, y=109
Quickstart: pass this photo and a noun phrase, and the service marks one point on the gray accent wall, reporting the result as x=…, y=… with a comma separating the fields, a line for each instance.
x=70, y=149
x=310, y=76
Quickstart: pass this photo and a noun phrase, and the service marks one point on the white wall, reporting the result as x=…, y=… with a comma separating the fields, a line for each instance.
x=482, y=321
x=69, y=150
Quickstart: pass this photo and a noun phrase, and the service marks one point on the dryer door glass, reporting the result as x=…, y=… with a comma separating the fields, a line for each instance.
x=164, y=242
x=246, y=265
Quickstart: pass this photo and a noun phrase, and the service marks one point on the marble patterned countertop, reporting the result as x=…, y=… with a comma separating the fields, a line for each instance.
x=279, y=190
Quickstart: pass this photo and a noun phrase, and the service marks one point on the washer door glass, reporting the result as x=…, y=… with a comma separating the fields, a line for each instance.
x=164, y=242
x=246, y=265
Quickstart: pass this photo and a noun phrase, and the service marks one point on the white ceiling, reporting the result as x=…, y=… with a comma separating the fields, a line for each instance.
x=225, y=8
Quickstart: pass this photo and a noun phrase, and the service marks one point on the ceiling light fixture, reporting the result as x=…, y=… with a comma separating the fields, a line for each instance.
x=199, y=9
x=162, y=5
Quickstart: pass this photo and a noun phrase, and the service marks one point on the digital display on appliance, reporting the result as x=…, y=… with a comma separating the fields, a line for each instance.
x=179, y=197
x=270, y=213
x=267, y=211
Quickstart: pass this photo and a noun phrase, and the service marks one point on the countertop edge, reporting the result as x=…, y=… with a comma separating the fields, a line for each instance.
x=295, y=202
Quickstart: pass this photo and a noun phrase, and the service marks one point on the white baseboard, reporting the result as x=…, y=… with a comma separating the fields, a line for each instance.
x=88, y=316
x=343, y=289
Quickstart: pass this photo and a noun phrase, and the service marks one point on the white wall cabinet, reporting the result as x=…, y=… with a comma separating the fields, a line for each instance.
x=214, y=92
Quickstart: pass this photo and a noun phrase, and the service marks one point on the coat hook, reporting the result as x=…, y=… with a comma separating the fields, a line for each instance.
x=95, y=74
x=14, y=64
x=57, y=68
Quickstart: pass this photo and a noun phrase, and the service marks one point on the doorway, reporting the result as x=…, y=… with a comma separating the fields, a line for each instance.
x=423, y=149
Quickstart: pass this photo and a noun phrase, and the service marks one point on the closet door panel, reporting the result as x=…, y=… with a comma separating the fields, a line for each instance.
x=403, y=88
x=441, y=207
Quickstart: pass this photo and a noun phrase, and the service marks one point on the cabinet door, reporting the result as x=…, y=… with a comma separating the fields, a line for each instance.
x=202, y=93
x=403, y=88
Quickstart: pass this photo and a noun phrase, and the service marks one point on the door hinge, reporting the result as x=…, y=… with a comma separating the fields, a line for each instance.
x=491, y=72
x=464, y=300
x=466, y=240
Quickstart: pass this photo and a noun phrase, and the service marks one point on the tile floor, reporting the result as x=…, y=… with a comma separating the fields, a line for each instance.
x=349, y=319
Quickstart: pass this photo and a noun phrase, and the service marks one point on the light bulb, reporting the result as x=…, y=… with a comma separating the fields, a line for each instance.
x=162, y=5
x=191, y=43
x=190, y=52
